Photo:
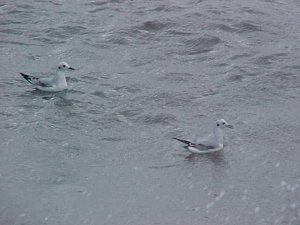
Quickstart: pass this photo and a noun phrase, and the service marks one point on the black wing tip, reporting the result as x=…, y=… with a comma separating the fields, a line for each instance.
x=23, y=74
x=27, y=77
x=183, y=141
x=178, y=139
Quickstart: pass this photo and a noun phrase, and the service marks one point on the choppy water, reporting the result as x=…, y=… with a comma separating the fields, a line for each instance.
x=102, y=153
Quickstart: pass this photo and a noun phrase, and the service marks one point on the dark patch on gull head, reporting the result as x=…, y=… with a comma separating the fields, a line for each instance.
x=223, y=123
x=65, y=66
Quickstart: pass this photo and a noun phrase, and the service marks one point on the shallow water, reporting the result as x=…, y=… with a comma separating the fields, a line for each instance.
x=146, y=71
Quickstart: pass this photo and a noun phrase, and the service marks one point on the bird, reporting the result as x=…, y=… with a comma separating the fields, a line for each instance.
x=211, y=143
x=52, y=84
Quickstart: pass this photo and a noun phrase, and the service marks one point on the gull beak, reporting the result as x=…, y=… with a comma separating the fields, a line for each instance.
x=71, y=68
x=229, y=126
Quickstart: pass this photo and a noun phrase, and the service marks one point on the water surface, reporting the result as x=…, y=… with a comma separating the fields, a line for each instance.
x=102, y=153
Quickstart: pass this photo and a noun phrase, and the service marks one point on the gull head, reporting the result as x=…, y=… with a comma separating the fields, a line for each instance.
x=223, y=123
x=63, y=66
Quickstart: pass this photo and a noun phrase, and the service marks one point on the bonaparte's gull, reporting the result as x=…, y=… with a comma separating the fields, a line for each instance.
x=55, y=83
x=211, y=143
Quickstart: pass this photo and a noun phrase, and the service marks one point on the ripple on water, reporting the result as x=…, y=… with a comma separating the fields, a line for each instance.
x=269, y=59
x=72, y=150
x=176, y=77
x=113, y=139
x=5, y=114
x=97, y=3
x=201, y=45
x=161, y=118
x=100, y=5
x=97, y=9
x=18, y=31
x=118, y=38
x=172, y=99
x=130, y=112
x=17, y=43
x=127, y=88
x=235, y=78
x=247, y=26
x=238, y=73
x=10, y=22
x=253, y=11
x=73, y=91
x=14, y=11
x=224, y=27
x=48, y=40
x=63, y=32
x=140, y=61
x=179, y=33
x=154, y=25
x=91, y=77
x=99, y=94
x=103, y=2
x=26, y=6
x=63, y=102
x=166, y=8
x=239, y=56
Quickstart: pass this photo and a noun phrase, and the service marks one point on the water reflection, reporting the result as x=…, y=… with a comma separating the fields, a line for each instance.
x=44, y=95
x=217, y=158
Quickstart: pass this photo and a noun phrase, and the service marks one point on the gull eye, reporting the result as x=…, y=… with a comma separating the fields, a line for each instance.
x=218, y=124
x=64, y=65
x=59, y=67
x=224, y=123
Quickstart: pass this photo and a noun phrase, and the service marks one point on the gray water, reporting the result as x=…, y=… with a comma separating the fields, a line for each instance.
x=147, y=71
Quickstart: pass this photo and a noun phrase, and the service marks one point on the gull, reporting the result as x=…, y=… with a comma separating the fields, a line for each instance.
x=55, y=83
x=211, y=143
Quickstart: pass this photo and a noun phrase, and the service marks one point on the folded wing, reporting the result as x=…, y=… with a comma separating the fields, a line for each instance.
x=44, y=82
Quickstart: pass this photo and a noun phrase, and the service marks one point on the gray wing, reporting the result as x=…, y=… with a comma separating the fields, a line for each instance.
x=46, y=82
x=194, y=145
x=208, y=141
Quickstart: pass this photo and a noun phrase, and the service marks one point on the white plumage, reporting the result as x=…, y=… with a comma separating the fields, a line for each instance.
x=211, y=143
x=53, y=84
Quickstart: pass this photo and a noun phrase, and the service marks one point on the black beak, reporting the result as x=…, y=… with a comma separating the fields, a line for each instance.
x=71, y=68
x=229, y=126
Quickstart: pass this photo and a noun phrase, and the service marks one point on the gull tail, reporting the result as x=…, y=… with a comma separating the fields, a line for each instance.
x=30, y=79
x=185, y=141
